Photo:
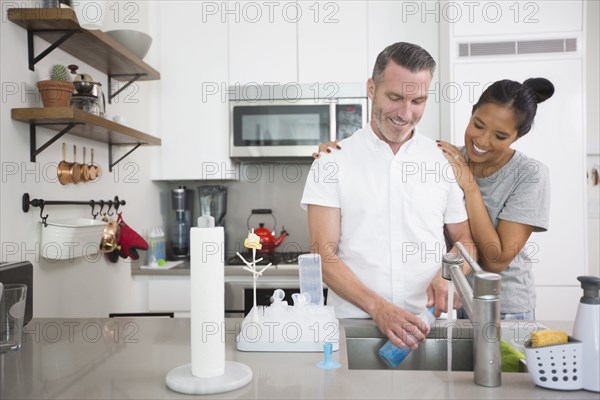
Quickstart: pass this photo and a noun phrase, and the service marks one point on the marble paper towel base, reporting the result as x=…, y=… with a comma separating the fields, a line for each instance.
x=236, y=375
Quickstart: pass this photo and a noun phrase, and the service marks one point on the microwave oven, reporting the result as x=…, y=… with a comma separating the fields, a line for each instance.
x=271, y=124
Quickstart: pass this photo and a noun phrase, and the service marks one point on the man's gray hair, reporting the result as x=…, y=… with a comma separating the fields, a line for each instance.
x=407, y=55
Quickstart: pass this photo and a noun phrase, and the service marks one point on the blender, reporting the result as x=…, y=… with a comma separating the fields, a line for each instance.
x=181, y=200
x=213, y=202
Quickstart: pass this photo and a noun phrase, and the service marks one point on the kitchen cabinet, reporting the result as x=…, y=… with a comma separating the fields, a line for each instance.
x=195, y=114
x=332, y=42
x=486, y=18
x=169, y=293
x=262, y=44
x=389, y=22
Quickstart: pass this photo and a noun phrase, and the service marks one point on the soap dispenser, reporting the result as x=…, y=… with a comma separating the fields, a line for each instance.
x=587, y=330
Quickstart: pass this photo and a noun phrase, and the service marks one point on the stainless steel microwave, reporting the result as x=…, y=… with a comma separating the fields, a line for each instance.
x=290, y=121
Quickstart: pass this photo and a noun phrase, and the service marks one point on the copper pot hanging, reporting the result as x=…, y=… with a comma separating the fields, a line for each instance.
x=68, y=171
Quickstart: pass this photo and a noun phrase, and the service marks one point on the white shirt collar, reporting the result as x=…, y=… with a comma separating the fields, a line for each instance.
x=375, y=142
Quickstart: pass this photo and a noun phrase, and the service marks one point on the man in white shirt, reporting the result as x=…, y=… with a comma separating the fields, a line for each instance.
x=377, y=210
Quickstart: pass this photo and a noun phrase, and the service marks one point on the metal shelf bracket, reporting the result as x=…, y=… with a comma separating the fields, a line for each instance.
x=134, y=77
x=111, y=164
x=32, y=136
x=33, y=59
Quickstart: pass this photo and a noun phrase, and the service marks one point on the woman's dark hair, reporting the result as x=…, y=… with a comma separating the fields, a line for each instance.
x=410, y=56
x=521, y=98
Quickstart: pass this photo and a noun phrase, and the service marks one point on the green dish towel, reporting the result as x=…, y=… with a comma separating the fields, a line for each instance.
x=510, y=357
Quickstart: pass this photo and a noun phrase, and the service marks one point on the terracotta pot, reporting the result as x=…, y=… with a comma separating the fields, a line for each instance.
x=55, y=93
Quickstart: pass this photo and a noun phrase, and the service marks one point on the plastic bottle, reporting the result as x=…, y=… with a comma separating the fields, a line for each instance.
x=587, y=330
x=393, y=355
x=156, y=247
x=311, y=280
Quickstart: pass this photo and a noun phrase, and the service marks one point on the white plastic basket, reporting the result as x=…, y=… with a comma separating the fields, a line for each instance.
x=71, y=238
x=556, y=366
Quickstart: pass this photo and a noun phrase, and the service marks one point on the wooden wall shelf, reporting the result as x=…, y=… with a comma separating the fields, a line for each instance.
x=93, y=47
x=80, y=123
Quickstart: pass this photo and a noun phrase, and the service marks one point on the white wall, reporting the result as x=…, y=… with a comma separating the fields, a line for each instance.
x=71, y=288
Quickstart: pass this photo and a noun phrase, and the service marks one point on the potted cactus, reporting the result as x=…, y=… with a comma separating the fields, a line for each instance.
x=57, y=91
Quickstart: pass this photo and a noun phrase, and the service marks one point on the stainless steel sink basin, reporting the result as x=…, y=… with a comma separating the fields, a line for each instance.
x=430, y=356
x=363, y=341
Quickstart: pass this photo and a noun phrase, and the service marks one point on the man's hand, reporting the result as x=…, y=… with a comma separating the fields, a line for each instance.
x=397, y=324
x=437, y=294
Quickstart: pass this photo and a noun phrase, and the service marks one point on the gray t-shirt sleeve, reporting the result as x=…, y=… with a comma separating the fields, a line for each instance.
x=529, y=203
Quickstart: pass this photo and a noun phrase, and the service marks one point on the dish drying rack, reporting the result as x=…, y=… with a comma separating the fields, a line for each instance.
x=41, y=203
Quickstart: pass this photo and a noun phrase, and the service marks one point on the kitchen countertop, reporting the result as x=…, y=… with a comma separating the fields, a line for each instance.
x=130, y=357
x=230, y=270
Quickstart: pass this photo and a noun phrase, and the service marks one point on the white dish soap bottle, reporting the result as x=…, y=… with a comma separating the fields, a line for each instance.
x=587, y=330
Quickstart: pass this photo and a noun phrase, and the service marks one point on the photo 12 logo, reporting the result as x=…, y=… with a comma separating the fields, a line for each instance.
x=270, y=11
x=490, y=12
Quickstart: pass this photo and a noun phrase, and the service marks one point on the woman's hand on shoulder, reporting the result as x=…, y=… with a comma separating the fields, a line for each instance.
x=464, y=176
x=326, y=148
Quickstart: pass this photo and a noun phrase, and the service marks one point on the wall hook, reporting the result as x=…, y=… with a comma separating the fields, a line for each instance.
x=110, y=206
x=93, y=205
x=42, y=216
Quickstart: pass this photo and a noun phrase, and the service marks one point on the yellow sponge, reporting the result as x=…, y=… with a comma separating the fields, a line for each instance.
x=548, y=337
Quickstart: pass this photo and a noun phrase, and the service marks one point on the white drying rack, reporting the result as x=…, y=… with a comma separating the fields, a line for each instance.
x=303, y=327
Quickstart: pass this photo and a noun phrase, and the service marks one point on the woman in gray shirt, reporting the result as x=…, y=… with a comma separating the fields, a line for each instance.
x=507, y=194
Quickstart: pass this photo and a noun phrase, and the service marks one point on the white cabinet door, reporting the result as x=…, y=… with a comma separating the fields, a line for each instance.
x=332, y=42
x=473, y=18
x=194, y=112
x=557, y=140
x=262, y=43
x=395, y=21
x=170, y=293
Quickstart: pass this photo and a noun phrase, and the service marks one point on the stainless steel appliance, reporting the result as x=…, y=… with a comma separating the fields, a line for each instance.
x=179, y=243
x=88, y=94
x=288, y=121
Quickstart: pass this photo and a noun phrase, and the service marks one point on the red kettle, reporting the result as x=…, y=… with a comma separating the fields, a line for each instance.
x=267, y=238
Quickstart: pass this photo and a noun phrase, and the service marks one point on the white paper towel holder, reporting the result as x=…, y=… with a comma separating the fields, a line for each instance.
x=205, y=269
x=237, y=375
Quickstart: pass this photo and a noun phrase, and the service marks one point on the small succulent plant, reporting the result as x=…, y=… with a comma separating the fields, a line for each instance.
x=59, y=72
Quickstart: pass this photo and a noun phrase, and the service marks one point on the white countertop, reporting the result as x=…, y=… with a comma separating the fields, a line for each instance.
x=129, y=358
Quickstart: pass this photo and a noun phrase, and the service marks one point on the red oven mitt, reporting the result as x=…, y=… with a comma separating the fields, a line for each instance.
x=130, y=241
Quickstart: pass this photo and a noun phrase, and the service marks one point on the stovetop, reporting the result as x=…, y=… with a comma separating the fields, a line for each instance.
x=275, y=258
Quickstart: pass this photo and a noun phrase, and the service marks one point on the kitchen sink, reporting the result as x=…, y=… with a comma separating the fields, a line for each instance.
x=363, y=341
x=430, y=356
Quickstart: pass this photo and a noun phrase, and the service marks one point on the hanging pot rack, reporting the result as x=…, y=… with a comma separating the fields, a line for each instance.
x=41, y=203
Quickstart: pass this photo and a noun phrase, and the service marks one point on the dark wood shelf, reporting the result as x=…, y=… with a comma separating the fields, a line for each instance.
x=93, y=47
x=88, y=125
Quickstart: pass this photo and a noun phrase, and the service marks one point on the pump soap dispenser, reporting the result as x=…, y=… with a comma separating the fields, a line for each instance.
x=587, y=330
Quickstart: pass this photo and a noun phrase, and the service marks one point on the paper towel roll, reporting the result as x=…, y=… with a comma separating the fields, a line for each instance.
x=208, y=301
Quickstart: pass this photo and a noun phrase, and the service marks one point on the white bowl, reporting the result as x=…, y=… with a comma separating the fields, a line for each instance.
x=135, y=41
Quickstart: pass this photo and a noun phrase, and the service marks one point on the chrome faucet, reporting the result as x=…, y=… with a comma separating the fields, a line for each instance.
x=482, y=304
